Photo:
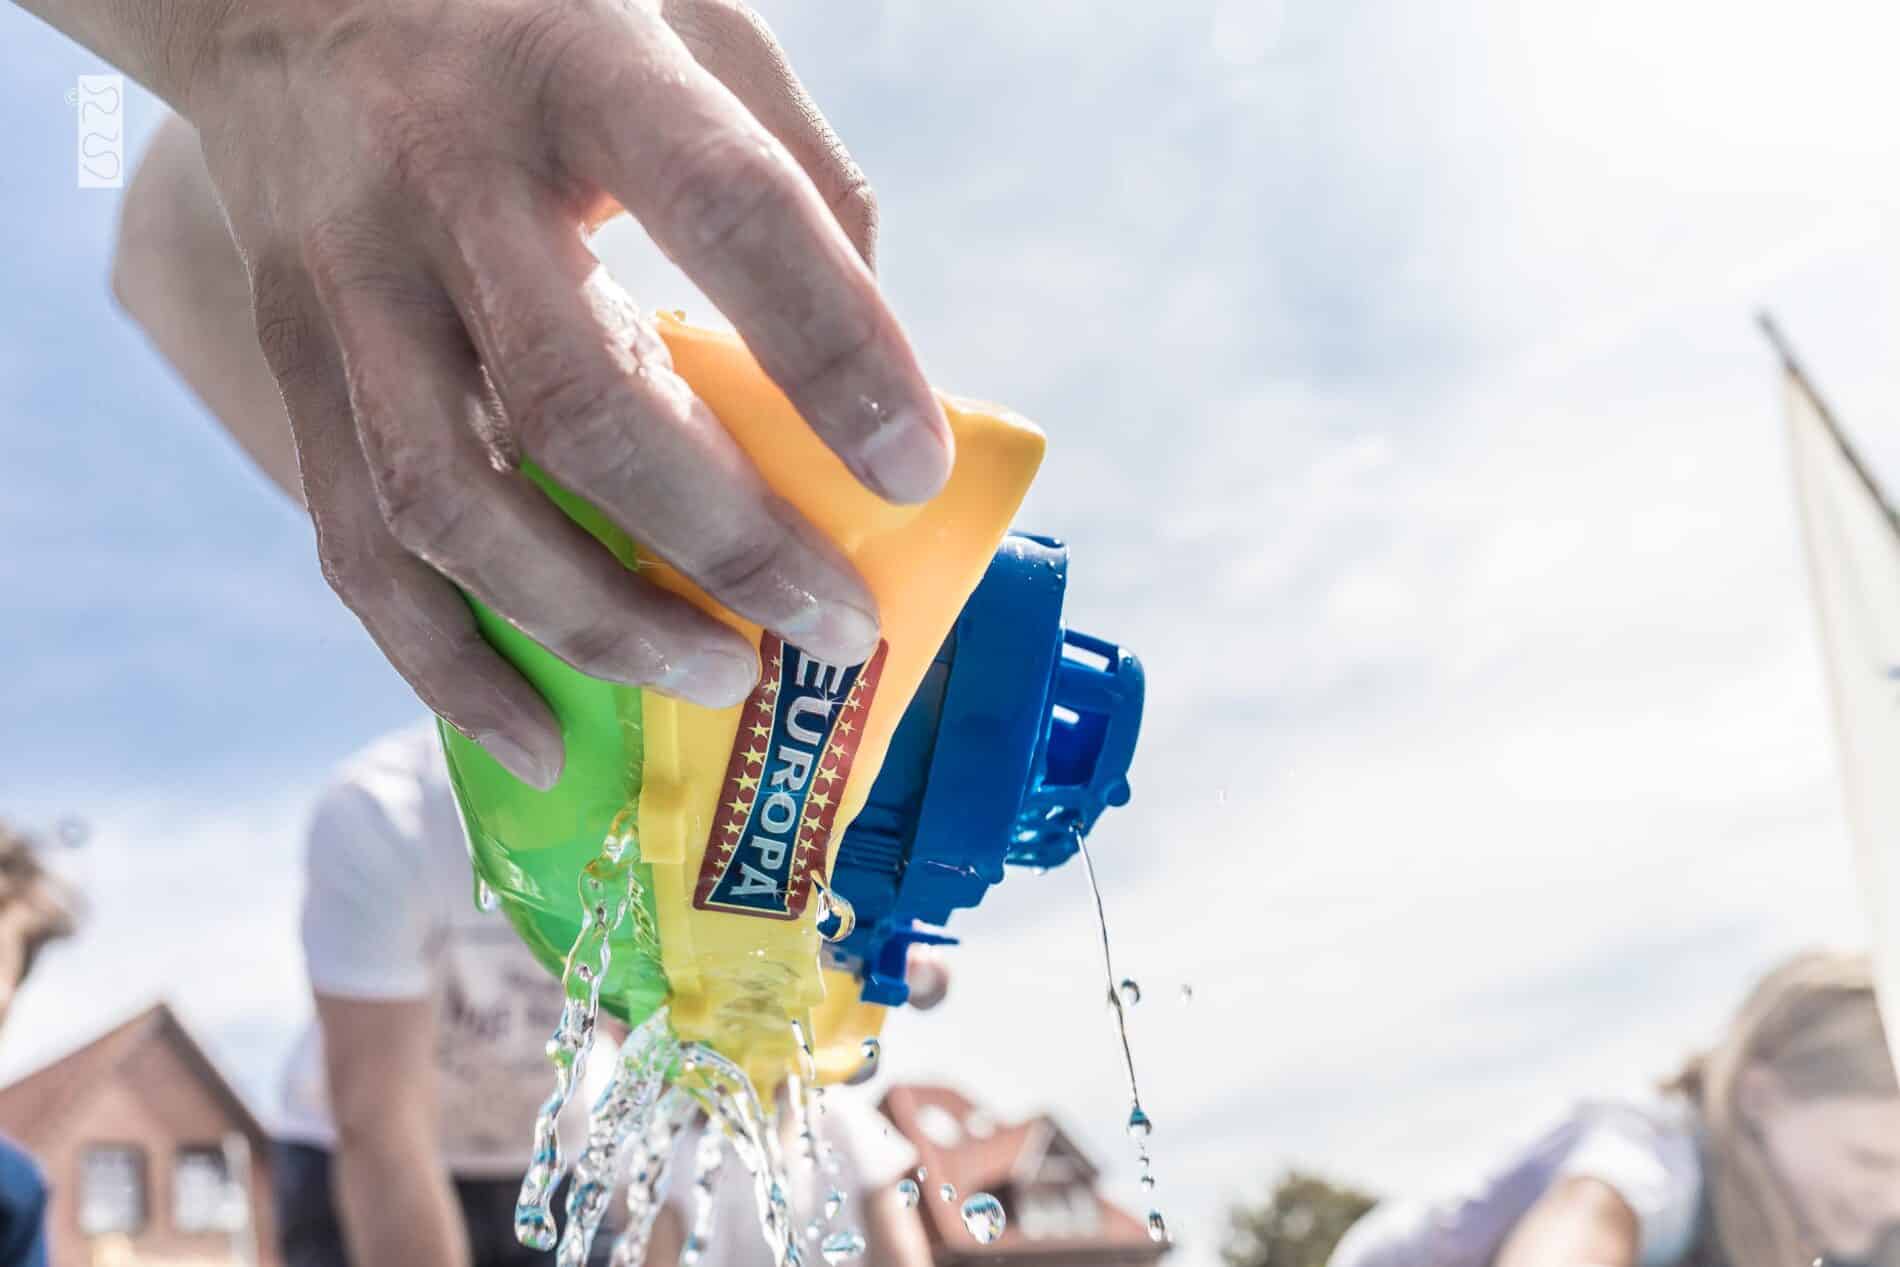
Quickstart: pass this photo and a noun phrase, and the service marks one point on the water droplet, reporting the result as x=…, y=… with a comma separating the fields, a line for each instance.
x=693, y=1250
x=983, y=1215
x=872, y=1050
x=948, y=1192
x=485, y=899
x=909, y=1193
x=836, y=916
x=1148, y=1182
x=1157, y=1228
x=1139, y=1126
x=834, y=1202
x=814, y=1231
x=843, y=1247
x=1187, y=995
x=1131, y=991
x=923, y=1173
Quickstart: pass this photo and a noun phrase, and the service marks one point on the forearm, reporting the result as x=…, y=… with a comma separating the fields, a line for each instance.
x=397, y=1203
x=1581, y=1223
x=157, y=42
x=177, y=272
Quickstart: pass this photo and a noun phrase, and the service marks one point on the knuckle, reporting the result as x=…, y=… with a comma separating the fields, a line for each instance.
x=534, y=44
x=341, y=569
x=570, y=411
x=286, y=327
x=834, y=358
x=425, y=510
x=345, y=252
x=743, y=563
x=610, y=648
x=349, y=559
x=718, y=189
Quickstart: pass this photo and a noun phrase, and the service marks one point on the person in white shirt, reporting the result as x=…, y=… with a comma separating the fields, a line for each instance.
x=408, y=1105
x=1778, y=1148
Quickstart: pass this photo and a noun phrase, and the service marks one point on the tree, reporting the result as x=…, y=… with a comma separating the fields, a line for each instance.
x=1297, y=1226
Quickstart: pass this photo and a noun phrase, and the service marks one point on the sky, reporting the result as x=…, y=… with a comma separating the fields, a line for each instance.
x=1406, y=417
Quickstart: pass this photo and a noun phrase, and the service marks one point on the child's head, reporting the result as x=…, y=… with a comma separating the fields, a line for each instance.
x=36, y=907
x=1802, y=1109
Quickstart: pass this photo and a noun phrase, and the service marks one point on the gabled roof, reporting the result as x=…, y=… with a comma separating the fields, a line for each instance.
x=32, y=1108
x=1002, y=1158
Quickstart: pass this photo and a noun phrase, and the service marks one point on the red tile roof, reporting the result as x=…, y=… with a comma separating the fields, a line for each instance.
x=998, y=1157
x=32, y=1107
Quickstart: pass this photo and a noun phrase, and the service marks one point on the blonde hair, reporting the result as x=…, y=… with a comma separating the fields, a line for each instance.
x=1815, y=1023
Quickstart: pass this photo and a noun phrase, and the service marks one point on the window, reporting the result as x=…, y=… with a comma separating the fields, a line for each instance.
x=203, y=1197
x=1060, y=1214
x=112, y=1189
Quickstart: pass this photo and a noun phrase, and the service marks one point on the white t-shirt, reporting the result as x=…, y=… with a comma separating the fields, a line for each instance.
x=871, y=1156
x=389, y=912
x=1647, y=1150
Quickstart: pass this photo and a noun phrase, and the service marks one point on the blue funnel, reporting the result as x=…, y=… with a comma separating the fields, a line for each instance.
x=1019, y=737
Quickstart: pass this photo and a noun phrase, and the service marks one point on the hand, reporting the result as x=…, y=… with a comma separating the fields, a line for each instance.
x=410, y=183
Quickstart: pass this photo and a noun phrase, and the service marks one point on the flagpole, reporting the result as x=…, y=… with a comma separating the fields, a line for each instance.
x=1789, y=362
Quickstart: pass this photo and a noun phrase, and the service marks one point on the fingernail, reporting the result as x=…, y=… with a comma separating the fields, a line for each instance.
x=715, y=679
x=837, y=632
x=532, y=769
x=908, y=457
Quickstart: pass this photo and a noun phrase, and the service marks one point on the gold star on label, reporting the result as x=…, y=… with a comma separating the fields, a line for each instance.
x=736, y=805
x=823, y=776
x=755, y=754
x=748, y=781
x=821, y=799
x=732, y=829
x=760, y=729
x=845, y=726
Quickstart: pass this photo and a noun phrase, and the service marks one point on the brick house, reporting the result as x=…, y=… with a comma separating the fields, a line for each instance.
x=1056, y=1215
x=153, y=1159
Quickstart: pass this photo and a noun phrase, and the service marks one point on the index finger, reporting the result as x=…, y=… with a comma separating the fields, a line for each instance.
x=718, y=193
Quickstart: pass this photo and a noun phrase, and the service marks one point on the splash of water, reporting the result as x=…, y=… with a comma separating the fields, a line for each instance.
x=983, y=1217
x=646, y=1175
x=626, y=1108
x=709, y=1158
x=909, y=1193
x=842, y=1247
x=659, y=1083
x=1140, y=1126
x=836, y=916
x=607, y=888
